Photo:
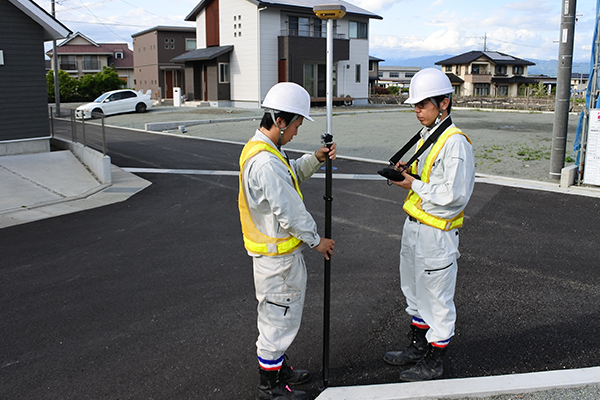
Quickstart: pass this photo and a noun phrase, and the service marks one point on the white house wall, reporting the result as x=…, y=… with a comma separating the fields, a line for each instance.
x=201, y=30
x=270, y=29
x=244, y=64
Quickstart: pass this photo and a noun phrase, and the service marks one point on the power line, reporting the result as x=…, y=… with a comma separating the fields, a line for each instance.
x=146, y=11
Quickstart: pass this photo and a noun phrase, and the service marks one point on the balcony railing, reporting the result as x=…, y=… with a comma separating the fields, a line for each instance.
x=68, y=66
x=308, y=33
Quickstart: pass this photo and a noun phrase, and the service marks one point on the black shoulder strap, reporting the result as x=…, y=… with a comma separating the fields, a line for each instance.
x=430, y=140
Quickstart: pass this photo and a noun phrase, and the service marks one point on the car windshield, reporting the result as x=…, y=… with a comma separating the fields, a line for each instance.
x=101, y=98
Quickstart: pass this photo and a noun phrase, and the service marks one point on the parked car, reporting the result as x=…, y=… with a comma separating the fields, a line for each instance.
x=115, y=102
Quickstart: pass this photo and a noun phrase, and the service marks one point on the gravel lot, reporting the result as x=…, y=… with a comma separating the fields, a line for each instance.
x=506, y=143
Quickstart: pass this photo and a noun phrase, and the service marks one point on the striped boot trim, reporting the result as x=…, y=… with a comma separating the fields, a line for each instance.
x=419, y=323
x=271, y=365
x=442, y=344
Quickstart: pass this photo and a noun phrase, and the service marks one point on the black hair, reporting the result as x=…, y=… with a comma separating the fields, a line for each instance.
x=267, y=121
x=439, y=99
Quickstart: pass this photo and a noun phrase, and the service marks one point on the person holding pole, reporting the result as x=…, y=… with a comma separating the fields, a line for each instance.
x=439, y=185
x=276, y=228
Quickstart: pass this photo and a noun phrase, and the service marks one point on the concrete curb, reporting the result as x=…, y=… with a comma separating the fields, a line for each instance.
x=468, y=387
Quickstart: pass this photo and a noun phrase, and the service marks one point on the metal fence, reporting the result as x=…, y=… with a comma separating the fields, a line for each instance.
x=91, y=135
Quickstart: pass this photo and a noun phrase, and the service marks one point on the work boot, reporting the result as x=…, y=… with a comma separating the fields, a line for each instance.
x=271, y=387
x=291, y=376
x=430, y=367
x=415, y=351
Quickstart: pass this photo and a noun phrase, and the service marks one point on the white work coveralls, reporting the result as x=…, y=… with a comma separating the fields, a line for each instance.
x=428, y=255
x=280, y=281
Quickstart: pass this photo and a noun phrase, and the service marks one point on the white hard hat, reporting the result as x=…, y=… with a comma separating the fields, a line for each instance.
x=288, y=97
x=427, y=83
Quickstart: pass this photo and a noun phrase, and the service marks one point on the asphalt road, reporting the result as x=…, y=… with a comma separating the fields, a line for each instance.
x=153, y=298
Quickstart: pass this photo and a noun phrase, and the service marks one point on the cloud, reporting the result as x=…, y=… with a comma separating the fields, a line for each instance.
x=375, y=5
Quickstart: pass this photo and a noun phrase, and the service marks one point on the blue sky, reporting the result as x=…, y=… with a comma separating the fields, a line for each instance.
x=410, y=28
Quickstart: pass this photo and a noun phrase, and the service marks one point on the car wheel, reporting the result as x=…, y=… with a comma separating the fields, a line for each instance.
x=141, y=108
x=97, y=113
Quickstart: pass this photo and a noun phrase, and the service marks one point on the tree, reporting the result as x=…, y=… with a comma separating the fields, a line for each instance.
x=66, y=84
x=92, y=86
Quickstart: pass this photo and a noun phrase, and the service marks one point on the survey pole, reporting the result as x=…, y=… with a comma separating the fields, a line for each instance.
x=328, y=12
x=563, y=88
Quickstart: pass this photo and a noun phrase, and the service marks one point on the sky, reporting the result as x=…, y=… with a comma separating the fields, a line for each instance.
x=409, y=29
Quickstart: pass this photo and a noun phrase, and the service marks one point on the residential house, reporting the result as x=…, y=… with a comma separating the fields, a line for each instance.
x=579, y=83
x=374, y=72
x=244, y=47
x=80, y=55
x=486, y=73
x=396, y=76
x=24, y=118
x=153, y=50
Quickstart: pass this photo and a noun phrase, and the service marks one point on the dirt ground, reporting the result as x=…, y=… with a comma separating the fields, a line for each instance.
x=506, y=143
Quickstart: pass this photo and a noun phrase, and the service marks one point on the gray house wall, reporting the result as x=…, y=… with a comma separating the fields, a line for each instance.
x=23, y=98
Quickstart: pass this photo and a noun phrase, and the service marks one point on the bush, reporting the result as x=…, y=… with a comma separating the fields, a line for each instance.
x=381, y=90
x=394, y=90
x=85, y=89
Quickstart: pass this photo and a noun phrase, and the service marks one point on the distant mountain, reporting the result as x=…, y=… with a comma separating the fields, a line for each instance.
x=541, y=67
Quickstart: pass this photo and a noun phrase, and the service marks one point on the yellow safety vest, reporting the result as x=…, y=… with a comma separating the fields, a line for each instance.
x=412, y=204
x=254, y=240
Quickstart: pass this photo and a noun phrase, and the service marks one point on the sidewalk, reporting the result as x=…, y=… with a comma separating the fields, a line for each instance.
x=45, y=185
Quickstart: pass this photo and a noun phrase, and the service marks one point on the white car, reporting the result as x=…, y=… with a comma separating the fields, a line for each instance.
x=114, y=102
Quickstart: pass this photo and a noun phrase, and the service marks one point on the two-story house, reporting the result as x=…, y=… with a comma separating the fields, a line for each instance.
x=80, y=55
x=246, y=46
x=396, y=76
x=486, y=73
x=24, y=123
x=153, y=50
x=374, y=72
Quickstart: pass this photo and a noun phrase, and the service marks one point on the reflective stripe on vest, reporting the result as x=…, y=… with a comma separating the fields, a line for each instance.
x=254, y=240
x=412, y=204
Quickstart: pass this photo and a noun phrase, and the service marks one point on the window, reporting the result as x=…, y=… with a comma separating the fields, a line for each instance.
x=518, y=70
x=502, y=90
x=190, y=44
x=319, y=27
x=394, y=75
x=475, y=69
x=482, y=89
x=293, y=26
x=500, y=69
x=303, y=26
x=118, y=55
x=357, y=73
x=315, y=79
x=448, y=68
x=458, y=70
x=223, y=72
x=91, y=63
x=358, y=30
x=409, y=75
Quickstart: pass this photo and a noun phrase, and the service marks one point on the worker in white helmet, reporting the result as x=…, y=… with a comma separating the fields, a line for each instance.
x=276, y=228
x=435, y=206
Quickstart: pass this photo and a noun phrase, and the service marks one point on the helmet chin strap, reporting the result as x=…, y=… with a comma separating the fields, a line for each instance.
x=281, y=130
x=439, y=117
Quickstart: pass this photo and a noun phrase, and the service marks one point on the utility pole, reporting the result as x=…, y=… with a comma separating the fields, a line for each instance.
x=55, y=68
x=485, y=41
x=563, y=88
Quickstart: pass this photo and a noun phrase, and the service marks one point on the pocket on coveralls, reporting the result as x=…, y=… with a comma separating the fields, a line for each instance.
x=440, y=274
x=283, y=309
